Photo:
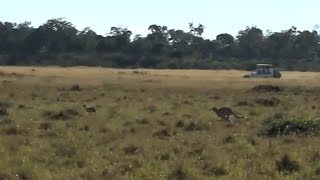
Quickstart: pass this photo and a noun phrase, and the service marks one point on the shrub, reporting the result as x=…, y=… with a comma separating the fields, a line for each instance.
x=286, y=165
x=162, y=134
x=293, y=127
x=75, y=87
x=215, y=171
x=266, y=88
x=178, y=174
x=64, y=115
x=179, y=124
x=13, y=130
x=131, y=150
x=268, y=101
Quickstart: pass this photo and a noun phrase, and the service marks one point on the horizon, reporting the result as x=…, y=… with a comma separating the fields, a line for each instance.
x=217, y=16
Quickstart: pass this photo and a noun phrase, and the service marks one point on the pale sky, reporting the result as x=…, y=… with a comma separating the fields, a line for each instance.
x=218, y=16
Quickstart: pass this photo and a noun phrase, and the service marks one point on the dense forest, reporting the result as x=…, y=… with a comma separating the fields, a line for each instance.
x=58, y=42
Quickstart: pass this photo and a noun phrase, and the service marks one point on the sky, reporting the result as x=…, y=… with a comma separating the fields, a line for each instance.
x=218, y=16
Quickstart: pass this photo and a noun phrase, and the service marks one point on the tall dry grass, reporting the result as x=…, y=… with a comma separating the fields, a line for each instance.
x=155, y=124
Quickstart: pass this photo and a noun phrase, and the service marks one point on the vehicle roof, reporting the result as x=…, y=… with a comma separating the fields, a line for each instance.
x=264, y=64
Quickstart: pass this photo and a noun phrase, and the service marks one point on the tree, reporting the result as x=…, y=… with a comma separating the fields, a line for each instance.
x=196, y=31
x=57, y=41
x=280, y=44
x=59, y=36
x=158, y=38
x=88, y=39
x=6, y=36
x=225, y=39
x=158, y=33
x=305, y=44
x=120, y=38
x=12, y=36
x=180, y=43
x=250, y=42
x=225, y=45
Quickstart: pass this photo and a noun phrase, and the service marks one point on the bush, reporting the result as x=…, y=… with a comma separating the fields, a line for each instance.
x=266, y=88
x=178, y=174
x=293, y=127
x=75, y=87
x=268, y=101
x=67, y=114
x=286, y=165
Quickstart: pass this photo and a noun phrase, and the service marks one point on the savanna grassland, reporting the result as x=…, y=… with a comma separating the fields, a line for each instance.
x=156, y=124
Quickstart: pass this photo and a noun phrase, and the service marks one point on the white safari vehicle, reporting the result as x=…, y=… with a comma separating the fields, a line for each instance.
x=264, y=71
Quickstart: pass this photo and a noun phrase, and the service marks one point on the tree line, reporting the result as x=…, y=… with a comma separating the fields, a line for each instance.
x=58, y=42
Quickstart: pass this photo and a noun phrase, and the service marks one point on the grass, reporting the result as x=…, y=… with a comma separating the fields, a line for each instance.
x=156, y=124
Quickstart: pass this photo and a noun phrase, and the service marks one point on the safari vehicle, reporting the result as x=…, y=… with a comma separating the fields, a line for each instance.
x=264, y=71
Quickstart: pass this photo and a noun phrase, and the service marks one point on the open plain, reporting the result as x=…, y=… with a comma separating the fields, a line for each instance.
x=156, y=124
